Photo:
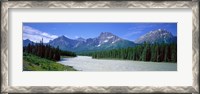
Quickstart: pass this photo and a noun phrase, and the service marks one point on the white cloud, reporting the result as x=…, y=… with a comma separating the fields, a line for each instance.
x=137, y=29
x=132, y=33
x=36, y=35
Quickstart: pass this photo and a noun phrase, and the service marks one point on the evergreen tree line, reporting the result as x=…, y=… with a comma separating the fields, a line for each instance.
x=67, y=53
x=144, y=52
x=46, y=51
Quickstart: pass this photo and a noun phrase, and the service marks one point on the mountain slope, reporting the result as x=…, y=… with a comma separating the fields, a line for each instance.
x=157, y=36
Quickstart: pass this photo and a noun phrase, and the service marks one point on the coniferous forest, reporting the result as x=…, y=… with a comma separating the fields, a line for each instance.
x=144, y=52
x=43, y=57
x=46, y=51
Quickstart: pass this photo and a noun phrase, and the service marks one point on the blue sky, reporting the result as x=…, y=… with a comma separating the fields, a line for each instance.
x=129, y=31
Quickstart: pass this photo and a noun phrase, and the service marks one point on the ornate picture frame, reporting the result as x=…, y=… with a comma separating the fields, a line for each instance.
x=6, y=5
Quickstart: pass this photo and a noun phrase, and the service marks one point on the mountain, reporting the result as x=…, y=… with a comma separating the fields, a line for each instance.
x=107, y=38
x=64, y=43
x=104, y=41
x=26, y=42
x=108, y=41
x=157, y=36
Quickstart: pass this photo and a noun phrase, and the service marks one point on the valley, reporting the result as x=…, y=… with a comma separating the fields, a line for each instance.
x=154, y=51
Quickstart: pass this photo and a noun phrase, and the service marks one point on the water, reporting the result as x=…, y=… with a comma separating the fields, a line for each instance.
x=86, y=63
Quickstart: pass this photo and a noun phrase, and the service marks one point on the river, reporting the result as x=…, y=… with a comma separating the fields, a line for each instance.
x=86, y=63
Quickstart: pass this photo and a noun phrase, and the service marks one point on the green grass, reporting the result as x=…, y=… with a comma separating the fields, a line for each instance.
x=35, y=63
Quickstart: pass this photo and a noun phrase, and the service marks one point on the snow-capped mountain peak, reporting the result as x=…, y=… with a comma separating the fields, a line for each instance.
x=157, y=36
x=106, y=37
